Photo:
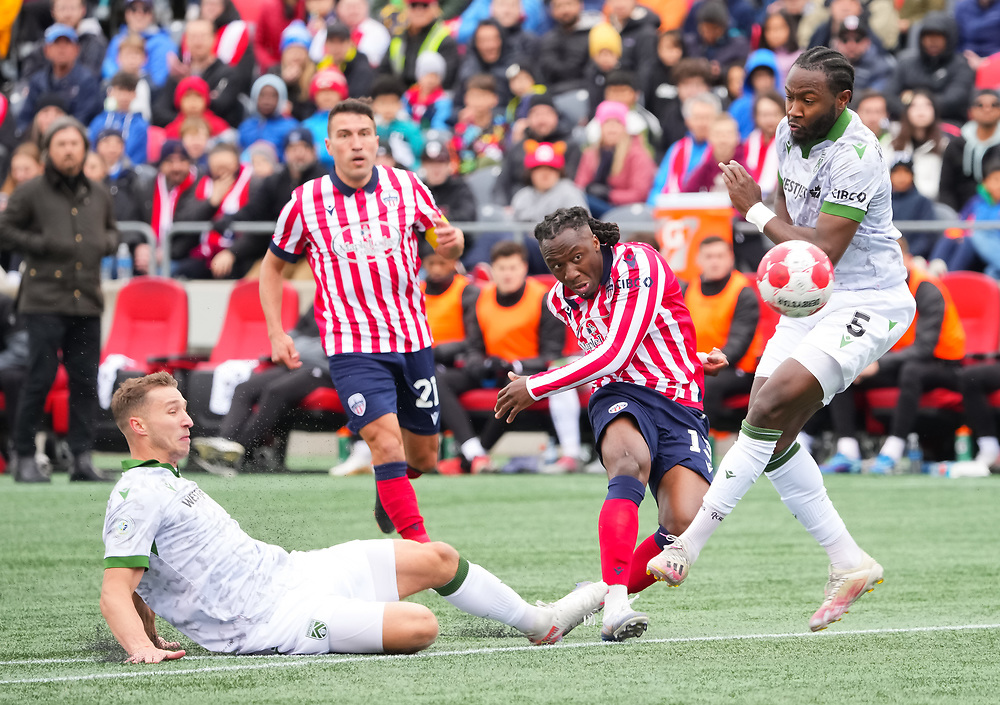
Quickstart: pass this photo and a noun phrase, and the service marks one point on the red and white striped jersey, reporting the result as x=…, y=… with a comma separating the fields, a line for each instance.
x=636, y=329
x=362, y=247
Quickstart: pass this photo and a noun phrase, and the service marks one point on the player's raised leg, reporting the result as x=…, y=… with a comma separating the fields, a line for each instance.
x=626, y=457
x=395, y=492
x=473, y=589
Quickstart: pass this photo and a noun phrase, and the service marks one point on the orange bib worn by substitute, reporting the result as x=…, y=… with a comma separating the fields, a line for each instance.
x=713, y=315
x=511, y=332
x=444, y=312
x=951, y=342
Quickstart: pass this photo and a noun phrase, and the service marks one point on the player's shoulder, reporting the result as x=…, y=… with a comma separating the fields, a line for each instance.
x=857, y=142
x=146, y=479
x=632, y=255
x=308, y=186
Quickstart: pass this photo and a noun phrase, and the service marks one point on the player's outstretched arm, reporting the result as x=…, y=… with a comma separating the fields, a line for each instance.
x=713, y=362
x=124, y=620
x=148, y=618
x=282, y=346
x=832, y=233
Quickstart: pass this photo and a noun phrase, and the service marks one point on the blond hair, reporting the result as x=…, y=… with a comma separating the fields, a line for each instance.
x=130, y=398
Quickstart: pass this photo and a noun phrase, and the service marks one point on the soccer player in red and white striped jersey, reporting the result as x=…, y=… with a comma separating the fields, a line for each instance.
x=359, y=228
x=625, y=307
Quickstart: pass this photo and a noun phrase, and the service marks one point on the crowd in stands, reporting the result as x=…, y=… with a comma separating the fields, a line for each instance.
x=215, y=110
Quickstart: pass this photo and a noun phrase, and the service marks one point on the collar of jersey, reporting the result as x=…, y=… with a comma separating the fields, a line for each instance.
x=835, y=133
x=350, y=191
x=132, y=463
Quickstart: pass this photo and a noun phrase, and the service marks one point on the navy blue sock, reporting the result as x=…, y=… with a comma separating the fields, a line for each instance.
x=625, y=487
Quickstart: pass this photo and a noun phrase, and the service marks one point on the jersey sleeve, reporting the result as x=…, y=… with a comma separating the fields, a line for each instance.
x=856, y=172
x=289, y=239
x=427, y=210
x=634, y=292
x=134, y=515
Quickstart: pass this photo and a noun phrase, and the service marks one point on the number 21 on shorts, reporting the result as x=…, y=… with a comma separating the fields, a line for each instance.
x=426, y=388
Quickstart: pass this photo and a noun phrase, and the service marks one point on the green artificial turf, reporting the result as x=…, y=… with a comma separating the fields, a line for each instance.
x=734, y=632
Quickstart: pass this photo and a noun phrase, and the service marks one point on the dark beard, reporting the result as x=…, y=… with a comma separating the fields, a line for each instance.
x=819, y=128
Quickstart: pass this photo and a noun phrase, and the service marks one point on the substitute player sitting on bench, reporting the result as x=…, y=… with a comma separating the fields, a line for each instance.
x=171, y=550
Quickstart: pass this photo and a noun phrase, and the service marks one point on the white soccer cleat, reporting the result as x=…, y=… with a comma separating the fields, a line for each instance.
x=672, y=565
x=563, y=615
x=843, y=589
x=215, y=449
x=623, y=624
x=359, y=462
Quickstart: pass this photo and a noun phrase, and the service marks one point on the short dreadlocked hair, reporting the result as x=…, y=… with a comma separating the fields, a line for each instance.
x=839, y=71
x=573, y=219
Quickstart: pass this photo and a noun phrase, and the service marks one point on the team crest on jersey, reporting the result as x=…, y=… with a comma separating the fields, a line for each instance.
x=616, y=408
x=124, y=528
x=594, y=339
x=317, y=630
x=367, y=241
x=390, y=198
x=357, y=404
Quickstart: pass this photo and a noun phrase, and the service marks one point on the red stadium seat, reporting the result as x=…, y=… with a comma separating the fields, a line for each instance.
x=155, y=137
x=977, y=298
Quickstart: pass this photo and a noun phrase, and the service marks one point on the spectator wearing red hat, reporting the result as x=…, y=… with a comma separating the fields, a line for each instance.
x=191, y=98
x=328, y=87
x=549, y=188
x=200, y=60
x=617, y=169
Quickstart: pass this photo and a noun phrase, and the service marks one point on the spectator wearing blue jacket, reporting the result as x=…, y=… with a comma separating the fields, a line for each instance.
x=979, y=248
x=909, y=204
x=270, y=121
x=978, y=24
x=761, y=77
x=64, y=75
x=532, y=16
x=119, y=116
x=140, y=20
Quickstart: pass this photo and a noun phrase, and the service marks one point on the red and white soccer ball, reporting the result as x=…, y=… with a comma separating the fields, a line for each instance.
x=795, y=278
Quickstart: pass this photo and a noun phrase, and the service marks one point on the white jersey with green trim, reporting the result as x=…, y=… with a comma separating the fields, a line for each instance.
x=845, y=174
x=205, y=575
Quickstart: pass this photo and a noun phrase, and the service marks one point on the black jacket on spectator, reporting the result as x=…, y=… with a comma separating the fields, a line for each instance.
x=962, y=167
x=455, y=199
x=948, y=76
x=126, y=196
x=660, y=92
x=563, y=53
x=360, y=75
x=245, y=69
x=473, y=64
x=519, y=43
x=639, y=35
x=63, y=228
x=224, y=96
x=265, y=204
x=513, y=175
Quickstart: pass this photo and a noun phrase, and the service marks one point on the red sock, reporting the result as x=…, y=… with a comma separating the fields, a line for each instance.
x=638, y=580
x=617, y=530
x=400, y=503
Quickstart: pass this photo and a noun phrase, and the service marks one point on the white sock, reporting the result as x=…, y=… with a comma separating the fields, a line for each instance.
x=473, y=449
x=485, y=595
x=848, y=445
x=989, y=450
x=565, y=411
x=893, y=447
x=616, y=599
x=737, y=472
x=800, y=485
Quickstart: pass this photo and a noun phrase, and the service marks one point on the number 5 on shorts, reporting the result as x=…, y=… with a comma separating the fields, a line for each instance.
x=425, y=388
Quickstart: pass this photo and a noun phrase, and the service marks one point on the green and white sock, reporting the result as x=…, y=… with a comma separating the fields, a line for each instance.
x=477, y=591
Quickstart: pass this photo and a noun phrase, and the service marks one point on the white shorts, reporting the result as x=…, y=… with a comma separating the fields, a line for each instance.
x=337, y=603
x=852, y=331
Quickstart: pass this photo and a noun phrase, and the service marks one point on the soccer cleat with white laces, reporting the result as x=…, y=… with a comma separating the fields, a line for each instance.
x=568, y=612
x=672, y=564
x=218, y=450
x=358, y=462
x=843, y=589
x=623, y=624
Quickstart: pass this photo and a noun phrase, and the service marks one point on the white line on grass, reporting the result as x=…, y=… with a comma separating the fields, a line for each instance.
x=281, y=661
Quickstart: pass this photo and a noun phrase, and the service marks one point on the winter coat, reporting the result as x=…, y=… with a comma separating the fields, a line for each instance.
x=158, y=45
x=632, y=183
x=563, y=53
x=63, y=234
x=80, y=90
x=978, y=27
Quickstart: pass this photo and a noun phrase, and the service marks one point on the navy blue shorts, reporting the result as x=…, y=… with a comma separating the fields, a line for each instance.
x=675, y=434
x=371, y=385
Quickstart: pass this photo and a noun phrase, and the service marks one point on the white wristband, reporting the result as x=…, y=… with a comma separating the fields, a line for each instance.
x=760, y=215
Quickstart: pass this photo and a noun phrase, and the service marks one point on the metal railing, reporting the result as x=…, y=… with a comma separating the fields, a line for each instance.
x=518, y=229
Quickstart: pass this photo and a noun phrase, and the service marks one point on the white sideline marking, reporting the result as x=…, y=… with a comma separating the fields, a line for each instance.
x=283, y=661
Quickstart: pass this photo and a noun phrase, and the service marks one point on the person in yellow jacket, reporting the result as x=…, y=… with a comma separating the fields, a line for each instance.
x=725, y=312
x=423, y=30
x=928, y=356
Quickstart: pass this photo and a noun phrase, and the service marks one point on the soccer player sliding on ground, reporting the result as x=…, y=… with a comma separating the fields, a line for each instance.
x=625, y=308
x=171, y=550
x=835, y=193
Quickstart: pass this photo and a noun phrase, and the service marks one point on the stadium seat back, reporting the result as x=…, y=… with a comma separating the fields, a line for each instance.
x=244, y=331
x=977, y=298
x=150, y=320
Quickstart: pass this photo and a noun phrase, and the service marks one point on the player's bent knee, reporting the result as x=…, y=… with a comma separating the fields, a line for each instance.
x=408, y=628
x=444, y=560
